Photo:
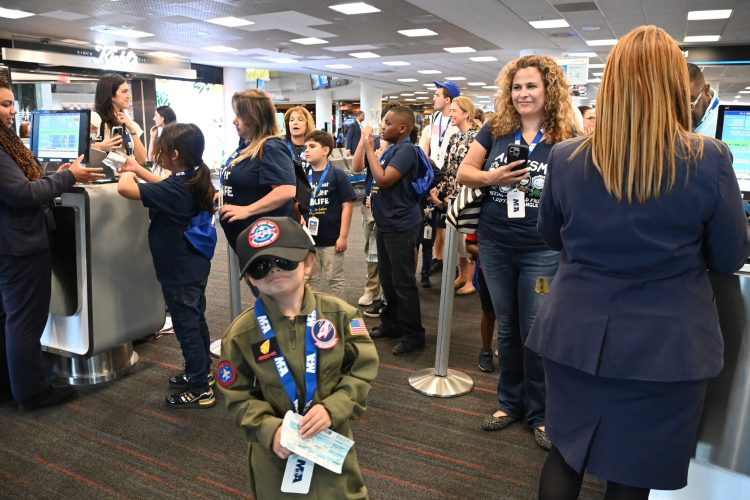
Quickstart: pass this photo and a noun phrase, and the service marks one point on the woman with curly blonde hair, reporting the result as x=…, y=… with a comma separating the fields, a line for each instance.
x=534, y=110
x=298, y=123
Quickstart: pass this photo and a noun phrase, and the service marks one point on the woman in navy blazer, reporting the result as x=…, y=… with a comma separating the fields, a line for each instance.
x=640, y=210
x=26, y=262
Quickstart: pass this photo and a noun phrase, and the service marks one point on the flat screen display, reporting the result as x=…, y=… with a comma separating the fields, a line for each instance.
x=733, y=127
x=320, y=82
x=60, y=136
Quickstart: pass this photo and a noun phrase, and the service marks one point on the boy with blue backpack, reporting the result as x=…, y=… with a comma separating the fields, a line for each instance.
x=402, y=176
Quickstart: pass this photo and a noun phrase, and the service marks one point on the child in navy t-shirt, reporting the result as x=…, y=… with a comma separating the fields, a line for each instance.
x=331, y=206
x=181, y=206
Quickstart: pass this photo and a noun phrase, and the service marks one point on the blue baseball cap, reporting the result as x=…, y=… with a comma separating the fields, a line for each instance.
x=450, y=87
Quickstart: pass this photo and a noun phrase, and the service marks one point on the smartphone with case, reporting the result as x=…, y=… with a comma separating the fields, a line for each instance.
x=117, y=131
x=517, y=152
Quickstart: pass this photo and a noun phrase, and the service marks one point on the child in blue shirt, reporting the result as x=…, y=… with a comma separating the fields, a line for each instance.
x=182, y=265
x=331, y=206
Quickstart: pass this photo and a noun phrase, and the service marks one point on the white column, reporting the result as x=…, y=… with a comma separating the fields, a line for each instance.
x=371, y=102
x=234, y=81
x=323, y=110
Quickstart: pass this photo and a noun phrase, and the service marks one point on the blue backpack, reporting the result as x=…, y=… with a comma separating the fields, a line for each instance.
x=425, y=175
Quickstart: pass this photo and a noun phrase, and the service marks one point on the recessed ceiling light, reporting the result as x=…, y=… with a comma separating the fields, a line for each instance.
x=701, y=38
x=744, y=92
x=419, y=32
x=407, y=94
x=421, y=98
x=338, y=66
x=747, y=88
x=428, y=84
x=160, y=53
x=230, y=22
x=309, y=41
x=701, y=15
x=601, y=43
x=354, y=8
x=129, y=33
x=281, y=60
x=396, y=63
x=392, y=97
x=597, y=74
x=551, y=23
x=491, y=87
x=455, y=78
x=410, y=99
x=596, y=65
x=364, y=55
x=421, y=92
x=590, y=28
x=483, y=59
x=429, y=71
x=14, y=14
x=581, y=54
x=220, y=48
x=476, y=84
x=73, y=41
x=594, y=80
x=407, y=80
x=738, y=97
x=458, y=50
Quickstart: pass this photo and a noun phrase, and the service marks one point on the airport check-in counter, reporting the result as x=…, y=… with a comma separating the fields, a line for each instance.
x=104, y=287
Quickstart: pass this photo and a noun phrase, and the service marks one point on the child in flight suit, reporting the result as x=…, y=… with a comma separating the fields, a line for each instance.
x=275, y=254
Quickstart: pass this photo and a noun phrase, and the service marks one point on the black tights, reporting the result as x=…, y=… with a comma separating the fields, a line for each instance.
x=560, y=481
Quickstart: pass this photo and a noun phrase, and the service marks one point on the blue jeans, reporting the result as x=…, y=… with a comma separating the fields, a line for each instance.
x=187, y=306
x=517, y=281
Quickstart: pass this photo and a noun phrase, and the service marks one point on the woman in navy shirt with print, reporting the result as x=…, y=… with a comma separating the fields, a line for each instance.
x=534, y=108
x=258, y=179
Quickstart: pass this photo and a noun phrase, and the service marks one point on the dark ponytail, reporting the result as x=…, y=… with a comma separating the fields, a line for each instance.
x=187, y=139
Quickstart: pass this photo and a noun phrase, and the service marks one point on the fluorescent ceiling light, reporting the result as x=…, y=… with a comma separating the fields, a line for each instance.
x=601, y=43
x=130, y=33
x=338, y=66
x=744, y=92
x=423, y=92
x=354, y=8
x=483, y=59
x=421, y=98
x=428, y=84
x=429, y=71
x=309, y=41
x=476, y=84
x=597, y=74
x=396, y=63
x=230, y=22
x=738, y=97
x=392, y=97
x=594, y=80
x=701, y=15
x=159, y=53
x=491, y=87
x=455, y=78
x=364, y=55
x=220, y=48
x=407, y=94
x=419, y=32
x=14, y=14
x=281, y=60
x=747, y=88
x=458, y=50
x=407, y=80
x=551, y=23
x=596, y=65
x=581, y=54
x=73, y=41
x=701, y=38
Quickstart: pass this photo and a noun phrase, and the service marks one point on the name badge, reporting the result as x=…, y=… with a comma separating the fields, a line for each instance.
x=297, y=475
x=427, y=233
x=312, y=225
x=516, y=204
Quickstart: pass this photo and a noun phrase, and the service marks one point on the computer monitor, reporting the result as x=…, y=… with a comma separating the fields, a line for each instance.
x=733, y=127
x=320, y=82
x=60, y=136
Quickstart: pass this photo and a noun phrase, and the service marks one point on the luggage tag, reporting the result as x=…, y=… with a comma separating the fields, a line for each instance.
x=297, y=475
x=312, y=225
x=516, y=204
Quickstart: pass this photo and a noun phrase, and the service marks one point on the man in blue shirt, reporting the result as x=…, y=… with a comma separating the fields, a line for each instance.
x=704, y=103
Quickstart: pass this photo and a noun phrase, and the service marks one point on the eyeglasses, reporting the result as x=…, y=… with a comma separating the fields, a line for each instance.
x=261, y=267
x=695, y=102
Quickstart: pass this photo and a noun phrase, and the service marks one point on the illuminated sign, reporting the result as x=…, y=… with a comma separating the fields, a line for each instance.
x=115, y=58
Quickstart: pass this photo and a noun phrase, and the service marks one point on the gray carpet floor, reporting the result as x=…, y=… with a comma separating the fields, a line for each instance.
x=118, y=440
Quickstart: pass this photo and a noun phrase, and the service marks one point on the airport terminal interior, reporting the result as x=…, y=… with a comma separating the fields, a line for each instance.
x=107, y=333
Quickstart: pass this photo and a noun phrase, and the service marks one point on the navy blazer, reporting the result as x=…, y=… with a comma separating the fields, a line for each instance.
x=24, y=207
x=352, y=136
x=632, y=297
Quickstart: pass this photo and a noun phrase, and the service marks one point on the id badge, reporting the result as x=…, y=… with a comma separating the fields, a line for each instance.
x=220, y=198
x=297, y=475
x=516, y=204
x=312, y=225
x=367, y=201
x=427, y=233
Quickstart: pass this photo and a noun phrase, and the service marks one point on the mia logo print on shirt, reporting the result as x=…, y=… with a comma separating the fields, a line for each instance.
x=531, y=186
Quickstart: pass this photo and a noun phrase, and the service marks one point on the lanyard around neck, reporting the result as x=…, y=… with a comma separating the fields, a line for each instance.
x=314, y=193
x=537, y=139
x=228, y=163
x=714, y=104
x=442, y=131
x=290, y=147
x=282, y=368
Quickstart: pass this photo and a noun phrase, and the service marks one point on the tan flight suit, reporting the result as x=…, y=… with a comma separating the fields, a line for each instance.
x=257, y=401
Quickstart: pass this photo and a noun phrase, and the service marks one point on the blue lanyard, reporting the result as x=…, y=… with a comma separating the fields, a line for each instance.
x=441, y=136
x=225, y=168
x=290, y=147
x=713, y=106
x=537, y=139
x=314, y=193
x=311, y=358
x=129, y=144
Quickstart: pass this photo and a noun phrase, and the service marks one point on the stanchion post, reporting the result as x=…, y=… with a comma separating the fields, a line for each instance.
x=234, y=283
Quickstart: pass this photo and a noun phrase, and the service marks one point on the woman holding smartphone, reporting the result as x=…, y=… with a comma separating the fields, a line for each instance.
x=534, y=110
x=111, y=127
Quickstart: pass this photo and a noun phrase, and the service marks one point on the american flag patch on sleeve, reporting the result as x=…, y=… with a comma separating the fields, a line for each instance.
x=358, y=326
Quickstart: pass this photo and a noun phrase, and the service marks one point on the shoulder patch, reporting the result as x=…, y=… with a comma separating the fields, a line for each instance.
x=324, y=334
x=226, y=374
x=358, y=327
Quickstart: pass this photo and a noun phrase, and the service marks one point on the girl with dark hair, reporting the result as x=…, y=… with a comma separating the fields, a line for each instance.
x=26, y=262
x=182, y=239
x=163, y=116
x=111, y=101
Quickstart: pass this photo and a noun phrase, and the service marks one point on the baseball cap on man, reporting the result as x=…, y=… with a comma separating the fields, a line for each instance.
x=450, y=87
x=275, y=236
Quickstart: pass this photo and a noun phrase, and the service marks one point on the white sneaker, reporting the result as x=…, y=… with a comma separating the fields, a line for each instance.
x=367, y=299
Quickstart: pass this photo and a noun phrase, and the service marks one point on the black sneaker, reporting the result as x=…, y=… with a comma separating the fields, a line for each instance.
x=485, y=362
x=426, y=282
x=187, y=399
x=374, y=310
x=436, y=266
x=182, y=380
x=406, y=348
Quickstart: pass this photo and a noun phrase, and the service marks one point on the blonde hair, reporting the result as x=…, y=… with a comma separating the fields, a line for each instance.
x=643, y=116
x=559, y=121
x=466, y=105
x=309, y=122
x=254, y=108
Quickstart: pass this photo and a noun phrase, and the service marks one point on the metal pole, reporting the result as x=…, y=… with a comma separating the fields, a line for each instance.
x=440, y=381
x=234, y=294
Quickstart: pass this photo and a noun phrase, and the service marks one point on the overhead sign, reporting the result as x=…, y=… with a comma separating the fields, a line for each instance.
x=575, y=68
x=115, y=58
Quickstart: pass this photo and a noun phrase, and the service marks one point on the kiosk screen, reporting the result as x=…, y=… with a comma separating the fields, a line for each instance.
x=733, y=127
x=60, y=136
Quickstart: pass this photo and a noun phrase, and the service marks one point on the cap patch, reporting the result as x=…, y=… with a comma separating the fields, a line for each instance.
x=324, y=334
x=263, y=233
x=226, y=374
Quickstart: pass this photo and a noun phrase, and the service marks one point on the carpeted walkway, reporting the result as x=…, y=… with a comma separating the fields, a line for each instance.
x=120, y=441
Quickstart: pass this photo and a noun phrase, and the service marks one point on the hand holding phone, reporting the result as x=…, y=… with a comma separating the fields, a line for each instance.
x=517, y=152
x=116, y=130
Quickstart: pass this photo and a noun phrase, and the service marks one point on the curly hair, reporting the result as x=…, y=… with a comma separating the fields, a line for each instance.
x=17, y=150
x=301, y=110
x=559, y=121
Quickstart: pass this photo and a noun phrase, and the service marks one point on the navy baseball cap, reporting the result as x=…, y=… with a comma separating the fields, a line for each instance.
x=450, y=87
